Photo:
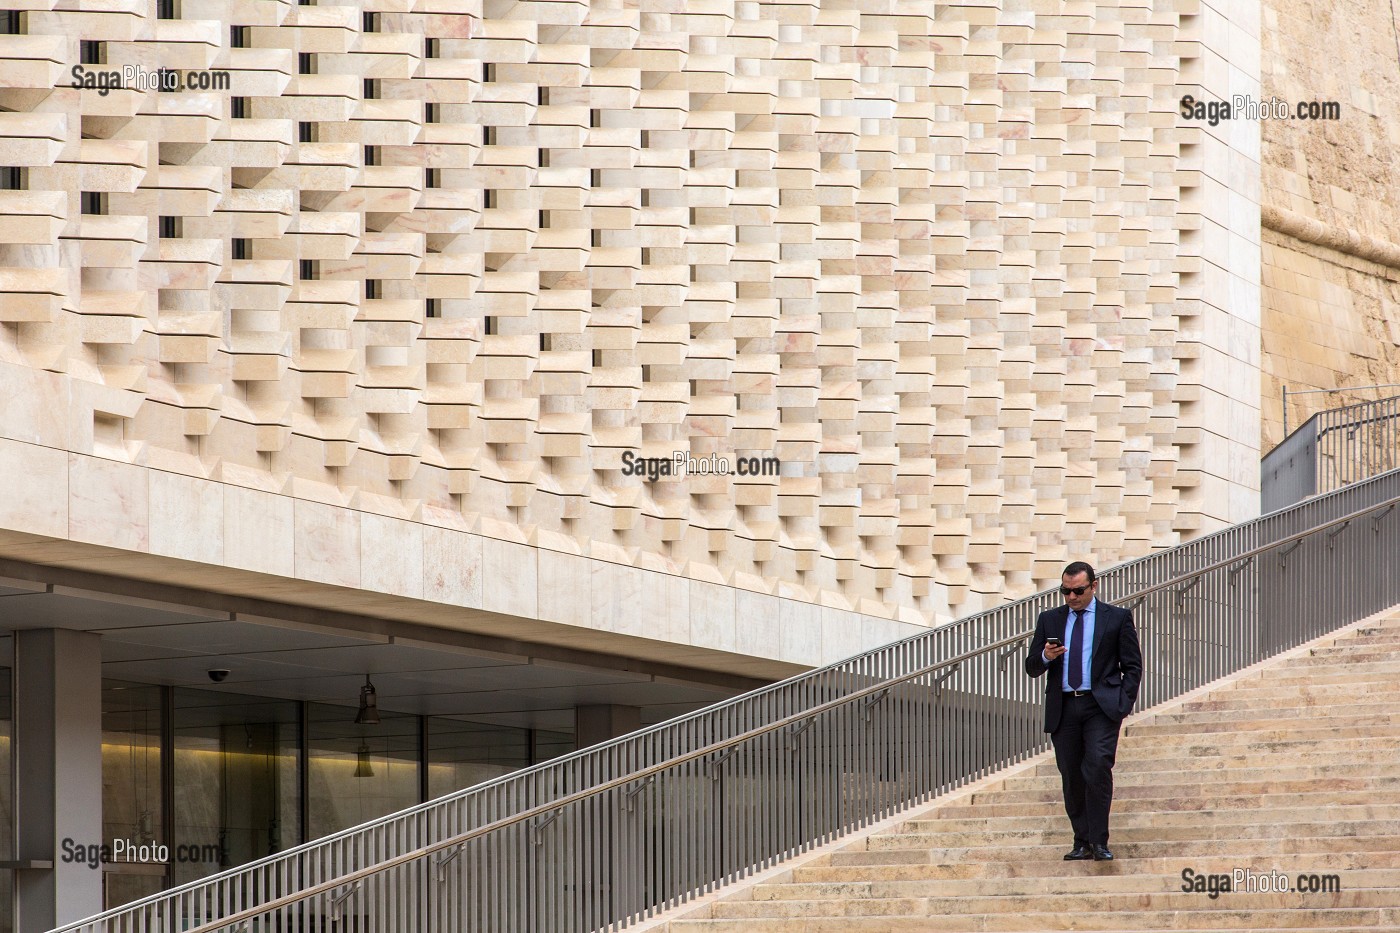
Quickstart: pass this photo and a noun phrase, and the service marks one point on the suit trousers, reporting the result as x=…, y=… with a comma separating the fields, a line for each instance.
x=1086, y=744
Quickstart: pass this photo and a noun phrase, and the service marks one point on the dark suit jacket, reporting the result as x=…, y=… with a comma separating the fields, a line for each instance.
x=1115, y=666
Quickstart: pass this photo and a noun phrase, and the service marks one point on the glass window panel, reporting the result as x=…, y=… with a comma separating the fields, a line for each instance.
x=131, y=786
x=123, y=883
x=7, y=814
x=358, y=772
x=236, y=784
x=461, y=753
x=552, y=744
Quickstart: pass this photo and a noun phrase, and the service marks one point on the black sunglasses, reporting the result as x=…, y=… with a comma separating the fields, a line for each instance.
x=1076, y=590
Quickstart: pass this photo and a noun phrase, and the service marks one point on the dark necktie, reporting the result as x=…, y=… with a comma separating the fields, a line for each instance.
x=1076, y=652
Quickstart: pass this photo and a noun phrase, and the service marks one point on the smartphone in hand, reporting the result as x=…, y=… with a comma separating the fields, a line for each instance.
x=1053, y=642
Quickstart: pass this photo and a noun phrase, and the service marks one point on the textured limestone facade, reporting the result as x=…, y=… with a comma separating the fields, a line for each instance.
x=1331, y=261
x=432, y=272
x=1219, y=339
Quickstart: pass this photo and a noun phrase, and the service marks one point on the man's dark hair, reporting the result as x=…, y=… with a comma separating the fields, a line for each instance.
x=1078, y=567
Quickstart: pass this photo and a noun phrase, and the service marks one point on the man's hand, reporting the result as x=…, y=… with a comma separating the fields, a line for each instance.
x=1054, y=651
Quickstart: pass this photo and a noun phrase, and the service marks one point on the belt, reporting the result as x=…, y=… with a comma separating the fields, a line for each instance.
x=1077, y=693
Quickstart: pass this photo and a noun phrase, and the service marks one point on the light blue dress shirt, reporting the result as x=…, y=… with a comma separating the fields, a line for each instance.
x=1088, y=646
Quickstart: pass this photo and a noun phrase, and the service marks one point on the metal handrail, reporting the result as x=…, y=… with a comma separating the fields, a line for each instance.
x=1357, y=441
x=1332, y=448
x=597, y=789
x=889, y=745
x=1330, y=414
x=1343, y=421
x=1344, y=389
x=1359, y=422
x=738, y=740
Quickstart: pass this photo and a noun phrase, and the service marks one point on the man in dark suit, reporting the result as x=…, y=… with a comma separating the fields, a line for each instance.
x=1091, y=651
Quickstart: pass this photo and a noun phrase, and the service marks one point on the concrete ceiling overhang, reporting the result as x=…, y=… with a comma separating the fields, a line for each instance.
x=173, y=636
x=29, y=556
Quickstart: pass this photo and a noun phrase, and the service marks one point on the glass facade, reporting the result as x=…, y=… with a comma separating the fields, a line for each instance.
x=222, y=779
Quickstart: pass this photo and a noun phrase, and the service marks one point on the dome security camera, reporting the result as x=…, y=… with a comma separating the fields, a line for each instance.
x=218, y=675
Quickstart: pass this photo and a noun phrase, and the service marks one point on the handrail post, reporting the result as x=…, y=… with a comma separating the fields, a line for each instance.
x=338, y=901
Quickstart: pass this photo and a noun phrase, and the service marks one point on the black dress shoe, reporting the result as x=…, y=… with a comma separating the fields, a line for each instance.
x=1080, y=853
x=1101, y=853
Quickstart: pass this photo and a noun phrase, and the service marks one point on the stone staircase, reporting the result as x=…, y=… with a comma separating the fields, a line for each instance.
x=1292, y=766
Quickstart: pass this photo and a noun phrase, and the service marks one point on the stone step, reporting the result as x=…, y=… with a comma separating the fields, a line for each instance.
x=1377, y=668
x=1382, y=626
x=1350, y=751
x=1238, y=702
x=1199, y=789
x=1273, y=731
x=1360, y=754
x=1205, y=803
x=1260, y=744
x=1266, y=694
x=1351, y=866
x=1333, y=720
x=1231, y=758
x=1049, y=778
x=1306, y=681
x=1121, y=879
x=1127, y=850
x=1349, y=821
x=1346, y=651
x=1379, y=640
x=1382, y=676
x=1155, y=911
x=1298, y=922
x=1198, y=713
x=1305, y=716
x=1265, y=748
x=1056, y=835
x=1367, y=634
x=1356, y=648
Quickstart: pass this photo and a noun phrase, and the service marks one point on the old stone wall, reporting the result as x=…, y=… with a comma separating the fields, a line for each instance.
x=1331, y=259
